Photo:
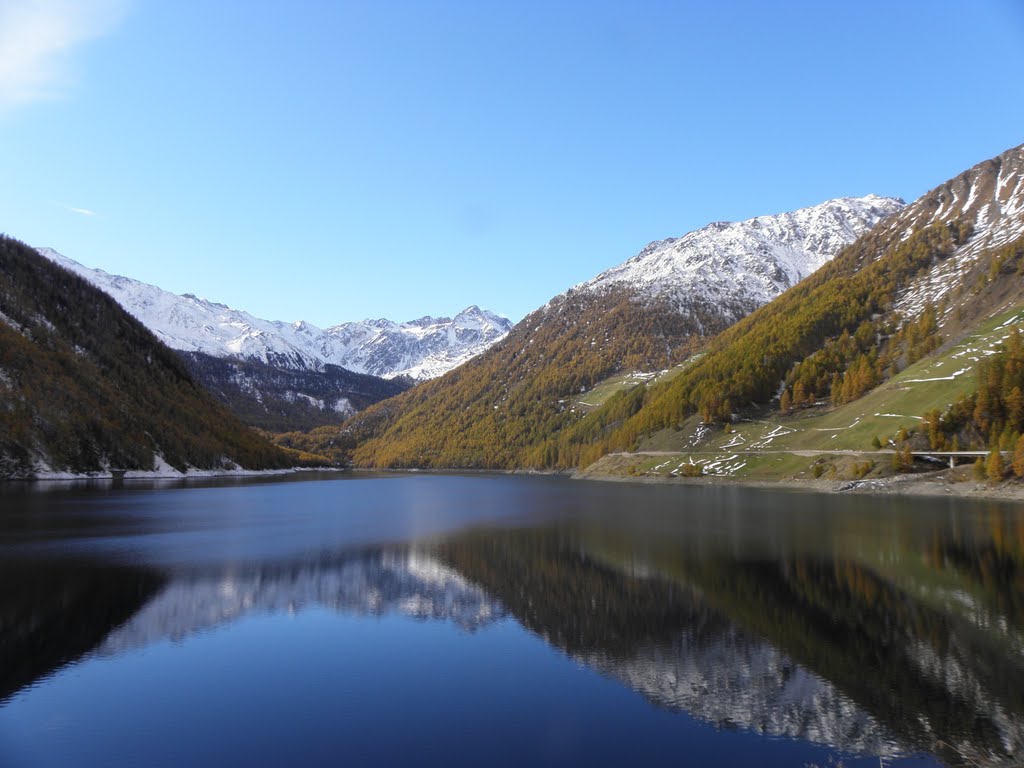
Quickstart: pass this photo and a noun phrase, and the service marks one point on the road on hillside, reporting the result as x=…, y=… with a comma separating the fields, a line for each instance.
x=794, y=452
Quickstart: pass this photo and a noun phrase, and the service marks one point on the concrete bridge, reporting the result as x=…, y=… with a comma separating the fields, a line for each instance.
x=954, y=455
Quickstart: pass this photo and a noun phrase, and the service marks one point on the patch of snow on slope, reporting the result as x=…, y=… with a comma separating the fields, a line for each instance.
x=992, y=195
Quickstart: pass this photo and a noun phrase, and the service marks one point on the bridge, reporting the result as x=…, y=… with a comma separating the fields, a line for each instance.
x=954, y=455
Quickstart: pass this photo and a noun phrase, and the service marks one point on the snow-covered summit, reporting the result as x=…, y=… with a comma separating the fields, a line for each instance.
x=745, y=264
x=421, y=349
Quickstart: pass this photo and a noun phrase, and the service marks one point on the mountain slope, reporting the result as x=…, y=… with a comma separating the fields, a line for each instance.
x=652, y=312
x=419, y=349
x=85, y=387
x=921, y=280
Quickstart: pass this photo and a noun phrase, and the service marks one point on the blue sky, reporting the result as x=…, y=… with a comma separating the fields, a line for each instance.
x=331, y=161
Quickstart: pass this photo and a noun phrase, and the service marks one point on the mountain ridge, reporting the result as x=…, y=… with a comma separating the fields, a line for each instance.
x=419, y=349
x=746, y=263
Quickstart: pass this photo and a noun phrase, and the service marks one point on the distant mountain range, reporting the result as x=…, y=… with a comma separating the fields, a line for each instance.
x=418, y=349
x=282, y=376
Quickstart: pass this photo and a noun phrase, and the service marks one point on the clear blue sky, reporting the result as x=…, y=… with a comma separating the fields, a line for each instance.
x=331, y=161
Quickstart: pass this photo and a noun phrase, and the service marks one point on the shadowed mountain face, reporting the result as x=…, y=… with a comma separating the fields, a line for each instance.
x=282, y=399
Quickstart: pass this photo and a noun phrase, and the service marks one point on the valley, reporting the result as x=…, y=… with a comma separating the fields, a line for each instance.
x=810, y=345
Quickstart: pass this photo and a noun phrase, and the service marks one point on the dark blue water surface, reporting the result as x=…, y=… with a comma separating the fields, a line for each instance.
x=499, y=620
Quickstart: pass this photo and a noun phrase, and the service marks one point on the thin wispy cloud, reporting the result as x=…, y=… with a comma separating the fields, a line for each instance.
x=82, y=211
x=38, y=42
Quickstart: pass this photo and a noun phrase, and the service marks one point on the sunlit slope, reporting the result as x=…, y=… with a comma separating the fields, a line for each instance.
x=625, y=383
x=927, y=275
x=494, y=410
x=932, y=383
x=501, y=410
x=771, y=445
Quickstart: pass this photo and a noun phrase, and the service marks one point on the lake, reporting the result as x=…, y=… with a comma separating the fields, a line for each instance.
x=493, y=620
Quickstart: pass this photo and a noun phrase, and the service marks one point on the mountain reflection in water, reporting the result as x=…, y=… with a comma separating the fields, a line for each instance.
x=914, y=646
x=375, y=583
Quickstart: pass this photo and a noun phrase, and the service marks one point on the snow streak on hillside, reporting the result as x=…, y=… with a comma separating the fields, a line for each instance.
x=420, y=349
x=990, y=196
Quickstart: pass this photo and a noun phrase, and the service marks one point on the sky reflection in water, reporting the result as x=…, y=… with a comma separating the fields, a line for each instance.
x=512, y=620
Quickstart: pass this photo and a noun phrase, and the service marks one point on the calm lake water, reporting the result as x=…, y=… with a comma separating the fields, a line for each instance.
x=497, y=620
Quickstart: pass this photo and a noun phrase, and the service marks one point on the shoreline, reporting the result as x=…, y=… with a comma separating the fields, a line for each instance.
x=161, y=474
x=931, y=485
x=940, y=484
x=936, y=484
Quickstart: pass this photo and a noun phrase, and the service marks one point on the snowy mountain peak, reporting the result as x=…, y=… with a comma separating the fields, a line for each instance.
x=420, y=349
x=745, y=264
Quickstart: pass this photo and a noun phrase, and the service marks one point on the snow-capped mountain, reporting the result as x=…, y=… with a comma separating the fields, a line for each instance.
x=738, y=266
x=420, y=349
x=650, y=313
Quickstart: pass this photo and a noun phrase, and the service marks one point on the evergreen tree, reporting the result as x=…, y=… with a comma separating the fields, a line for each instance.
x=785, y=402
x=1018, y=457
x=994, y=466
x=979, y=468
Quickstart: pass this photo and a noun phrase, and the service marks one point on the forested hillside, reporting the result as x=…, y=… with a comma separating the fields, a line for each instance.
x=490, y=411
x=649, y=314
x=84, y=387
x=887, y=300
